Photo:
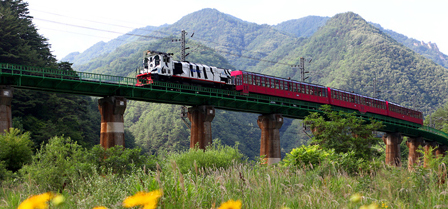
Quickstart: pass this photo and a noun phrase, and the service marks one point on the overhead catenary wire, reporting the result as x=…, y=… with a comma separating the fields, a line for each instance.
x=156, y=37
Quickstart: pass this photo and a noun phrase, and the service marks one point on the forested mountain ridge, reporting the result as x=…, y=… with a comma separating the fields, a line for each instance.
x=347, y=53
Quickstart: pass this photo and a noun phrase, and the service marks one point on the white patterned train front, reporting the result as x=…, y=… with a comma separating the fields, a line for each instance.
x=159, y=66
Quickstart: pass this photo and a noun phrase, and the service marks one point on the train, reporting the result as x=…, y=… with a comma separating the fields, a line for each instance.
x=160, y=66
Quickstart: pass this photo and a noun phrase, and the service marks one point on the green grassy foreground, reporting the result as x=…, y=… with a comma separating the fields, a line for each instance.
x=258, y=186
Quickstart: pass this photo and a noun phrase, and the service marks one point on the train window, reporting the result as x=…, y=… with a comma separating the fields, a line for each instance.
x=324, y=92
x=250, y=79
x=276, y=83
x=263, y=81
x=199, y=73
x=287, y=85
x=281, y=85
x=258, y=82
x=157, y=60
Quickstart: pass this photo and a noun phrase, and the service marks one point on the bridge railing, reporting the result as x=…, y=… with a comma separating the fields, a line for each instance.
x=434, y=131
x=65, y=74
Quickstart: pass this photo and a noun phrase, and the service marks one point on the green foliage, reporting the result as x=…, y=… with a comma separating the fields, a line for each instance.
x=324, y=160
x=214, y=156
x=118, y=160
x=62, y=160
x=343, y=132
x=47, y=114
x=56, y=164
x=19, y=41
x=439, y=118
x=307, y=155
x=15, y=149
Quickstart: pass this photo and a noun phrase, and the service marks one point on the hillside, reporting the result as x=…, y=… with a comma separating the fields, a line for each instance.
x=347, y=52
x=102, y=48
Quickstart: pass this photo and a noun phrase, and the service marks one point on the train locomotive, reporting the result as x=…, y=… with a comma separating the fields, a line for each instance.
x=159, y=66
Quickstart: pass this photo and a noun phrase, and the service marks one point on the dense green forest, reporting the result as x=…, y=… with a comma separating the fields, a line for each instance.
x=43, y=114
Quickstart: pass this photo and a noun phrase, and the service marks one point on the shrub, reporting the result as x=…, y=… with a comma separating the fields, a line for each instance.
x=306, y=155
x=119, y=160
x=57, y=163
x=216, y=155
x=15, y=149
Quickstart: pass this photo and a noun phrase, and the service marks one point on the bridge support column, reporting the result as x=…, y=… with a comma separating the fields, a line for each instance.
x=270, y=137
x=201, y=125
x=392, y=141
x=441, y=151
x=112, y=122
x=414, y=156
x=428, y=147
x=5, y=108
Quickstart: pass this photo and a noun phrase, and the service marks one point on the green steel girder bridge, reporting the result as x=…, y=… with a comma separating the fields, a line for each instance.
x=99, y=85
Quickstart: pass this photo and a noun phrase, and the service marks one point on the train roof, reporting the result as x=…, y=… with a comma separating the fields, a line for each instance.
x=284, y=79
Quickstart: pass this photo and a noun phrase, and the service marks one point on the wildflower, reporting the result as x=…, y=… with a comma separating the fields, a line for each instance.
x=58, y=199
x=355, y=198
x=231, y=205
x=100, y=207
x=146, y=199
x=36, y=201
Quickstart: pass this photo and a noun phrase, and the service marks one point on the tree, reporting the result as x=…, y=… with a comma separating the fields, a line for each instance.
x=19, y=41
x=343, y=132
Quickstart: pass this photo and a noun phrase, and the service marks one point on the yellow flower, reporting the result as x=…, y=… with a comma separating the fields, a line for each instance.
x=372, y=206
x=355, y=198
x=231, y=205
x=146, y=199
x=58, y=199
x=100, y=207
x=36, y=201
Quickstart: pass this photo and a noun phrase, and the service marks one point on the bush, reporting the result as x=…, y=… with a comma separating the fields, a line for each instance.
x=57, y=163
x=119, y=160
x=216, y=155
x=306, y=155
x=317, y=156
x=15, y=149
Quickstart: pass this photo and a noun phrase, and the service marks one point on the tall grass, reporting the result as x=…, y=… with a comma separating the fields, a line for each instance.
x=188, y=182
x=256, y=185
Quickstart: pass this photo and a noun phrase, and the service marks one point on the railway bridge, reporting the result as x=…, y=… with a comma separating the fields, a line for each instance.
x=116, y=90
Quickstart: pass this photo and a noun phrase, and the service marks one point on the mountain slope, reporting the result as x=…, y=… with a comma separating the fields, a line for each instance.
x=350, y=53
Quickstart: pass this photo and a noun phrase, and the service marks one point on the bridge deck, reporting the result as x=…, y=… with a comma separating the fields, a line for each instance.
x=91, y=84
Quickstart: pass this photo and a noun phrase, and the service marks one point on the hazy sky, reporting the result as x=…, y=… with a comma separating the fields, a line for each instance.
x=67, y=23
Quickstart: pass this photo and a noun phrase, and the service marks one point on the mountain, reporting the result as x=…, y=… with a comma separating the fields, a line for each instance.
x=429, y=50
x=303, y=27
x=347, y=52
x=102, y=48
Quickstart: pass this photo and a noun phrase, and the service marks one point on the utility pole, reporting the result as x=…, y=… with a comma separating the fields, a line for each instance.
x=183, y=46
x=182, y=40
x=302, y=68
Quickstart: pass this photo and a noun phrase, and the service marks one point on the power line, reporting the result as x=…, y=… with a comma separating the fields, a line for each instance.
x=102, y=30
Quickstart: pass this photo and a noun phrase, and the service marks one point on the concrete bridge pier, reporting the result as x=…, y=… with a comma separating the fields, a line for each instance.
x=270, y=137
x=392, y=141
x=201, y=118
x=112, y=122
x=5, y=108
x=438, y=151
x=414, y=156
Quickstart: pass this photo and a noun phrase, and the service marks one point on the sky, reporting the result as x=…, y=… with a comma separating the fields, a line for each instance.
x=74, y=26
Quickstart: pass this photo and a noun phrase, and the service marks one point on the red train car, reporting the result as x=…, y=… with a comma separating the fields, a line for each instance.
x=249, y=82
x=270, y=85
x=356, y=101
